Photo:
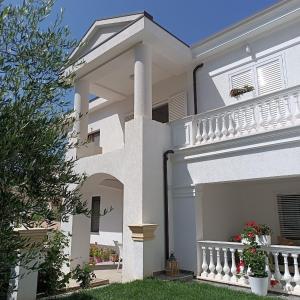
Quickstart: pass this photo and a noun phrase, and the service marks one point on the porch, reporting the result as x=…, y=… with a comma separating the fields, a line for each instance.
x=227, y=207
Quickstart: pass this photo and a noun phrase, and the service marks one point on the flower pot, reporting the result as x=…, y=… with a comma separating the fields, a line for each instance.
x=263, y=240
x=245, y=242
x=259, y=285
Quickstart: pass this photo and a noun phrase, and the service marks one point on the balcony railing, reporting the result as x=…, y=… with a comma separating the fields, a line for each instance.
x=262, y=114
x=219, y=262
x=88, y=149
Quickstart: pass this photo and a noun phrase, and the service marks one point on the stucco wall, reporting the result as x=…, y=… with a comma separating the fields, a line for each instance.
x=233, y=204
x=213, y=79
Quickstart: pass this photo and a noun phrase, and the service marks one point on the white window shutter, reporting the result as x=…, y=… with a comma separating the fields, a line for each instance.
x=238, y=81
x=289, y=216
x=269, y=77
x=177, y=106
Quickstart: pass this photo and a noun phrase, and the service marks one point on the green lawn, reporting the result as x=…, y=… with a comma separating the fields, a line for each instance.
x=151, y=289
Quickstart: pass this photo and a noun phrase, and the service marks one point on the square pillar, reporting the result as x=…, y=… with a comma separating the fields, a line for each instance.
x=142, y=81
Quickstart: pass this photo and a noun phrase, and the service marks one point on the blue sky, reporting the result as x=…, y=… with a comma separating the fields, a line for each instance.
x=190, y=20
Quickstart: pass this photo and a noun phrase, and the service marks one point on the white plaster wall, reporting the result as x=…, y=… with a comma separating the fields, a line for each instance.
x=233, y=204
x=111, y=118
x=213, y=79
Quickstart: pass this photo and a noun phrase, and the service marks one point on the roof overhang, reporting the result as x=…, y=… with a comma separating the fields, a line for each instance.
x=276, y=15
x=143, y=29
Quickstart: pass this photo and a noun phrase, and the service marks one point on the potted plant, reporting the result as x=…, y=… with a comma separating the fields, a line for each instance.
x=263, y=235
x=255, y=259
x=93, y=254
x=236, y=92
x=113, y=256
x=259, y=234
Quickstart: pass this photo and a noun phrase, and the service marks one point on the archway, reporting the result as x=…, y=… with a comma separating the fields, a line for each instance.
x=101, y=192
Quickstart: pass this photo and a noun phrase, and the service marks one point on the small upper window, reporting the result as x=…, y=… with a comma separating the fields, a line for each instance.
x=94, y=136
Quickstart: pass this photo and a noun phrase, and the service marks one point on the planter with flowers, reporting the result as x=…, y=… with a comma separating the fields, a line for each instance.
x=253, y=233
x=255, y=259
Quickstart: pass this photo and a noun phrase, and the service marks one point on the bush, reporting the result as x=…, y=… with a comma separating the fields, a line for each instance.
x=51, y=277
x=255, y=258
x=84, y=275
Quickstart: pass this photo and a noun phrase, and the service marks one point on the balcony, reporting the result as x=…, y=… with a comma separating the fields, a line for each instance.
x=256, y=116
x=218, y=261
x=89, y=149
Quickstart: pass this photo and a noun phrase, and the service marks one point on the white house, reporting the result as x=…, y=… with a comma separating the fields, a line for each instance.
x=183, y=163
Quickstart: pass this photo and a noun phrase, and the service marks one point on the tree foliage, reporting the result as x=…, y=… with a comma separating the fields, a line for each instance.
x=34, y=172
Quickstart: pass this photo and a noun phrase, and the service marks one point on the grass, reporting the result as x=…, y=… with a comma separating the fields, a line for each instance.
x=153, y=289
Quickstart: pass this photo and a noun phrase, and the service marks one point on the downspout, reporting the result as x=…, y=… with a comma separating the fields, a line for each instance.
x=166, y=200
x=195, y=87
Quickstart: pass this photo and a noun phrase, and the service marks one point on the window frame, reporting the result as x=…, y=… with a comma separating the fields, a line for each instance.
x=253, y=69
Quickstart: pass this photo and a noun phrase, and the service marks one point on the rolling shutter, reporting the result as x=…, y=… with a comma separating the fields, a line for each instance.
x=269, y=77
x=289, y=216
x=240, y=80
x=177, y=106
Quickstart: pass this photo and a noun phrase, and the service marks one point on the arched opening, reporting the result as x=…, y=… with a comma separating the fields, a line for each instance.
x=98, y=239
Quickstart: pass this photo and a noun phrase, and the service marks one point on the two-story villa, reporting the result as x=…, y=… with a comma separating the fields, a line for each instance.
x=187, y=143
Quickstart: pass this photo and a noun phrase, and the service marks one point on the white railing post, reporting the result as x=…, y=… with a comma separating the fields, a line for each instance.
x=296, y=105
x=210, y=129
x=286, y=276
x=242, y=280
x=204, y=131
x=277, y=274
x=226, y=269
x=219, y=275
x=233, y=266
x=230, y=127
x=211, y=263
x=217, y=131
x=288, y=108
x=198, y=134
x=224, y=127
x=204, y=263
x=296, y=278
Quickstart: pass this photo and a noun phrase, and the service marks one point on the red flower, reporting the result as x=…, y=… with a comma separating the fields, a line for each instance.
x=273, y=282
x=253, y=250
x=237, y=238
x=250, y=235
x=240, y=264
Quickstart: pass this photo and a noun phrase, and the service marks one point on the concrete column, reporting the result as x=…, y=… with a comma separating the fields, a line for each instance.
x=81, y=107
x=142, y=81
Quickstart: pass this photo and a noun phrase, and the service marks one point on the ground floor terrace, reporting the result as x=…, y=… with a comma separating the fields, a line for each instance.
x=222, y=209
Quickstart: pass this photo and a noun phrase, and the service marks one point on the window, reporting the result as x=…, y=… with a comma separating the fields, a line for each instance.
x=174, y=108
x=94, y=137
x=269, y=77
x=289, y=216
x=95, y=214
x=266, y=77
x=240, y=80
x=161, y=113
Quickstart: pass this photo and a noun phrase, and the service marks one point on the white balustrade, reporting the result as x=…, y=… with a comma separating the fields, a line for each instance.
x=225, y=265
x=259, y=115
